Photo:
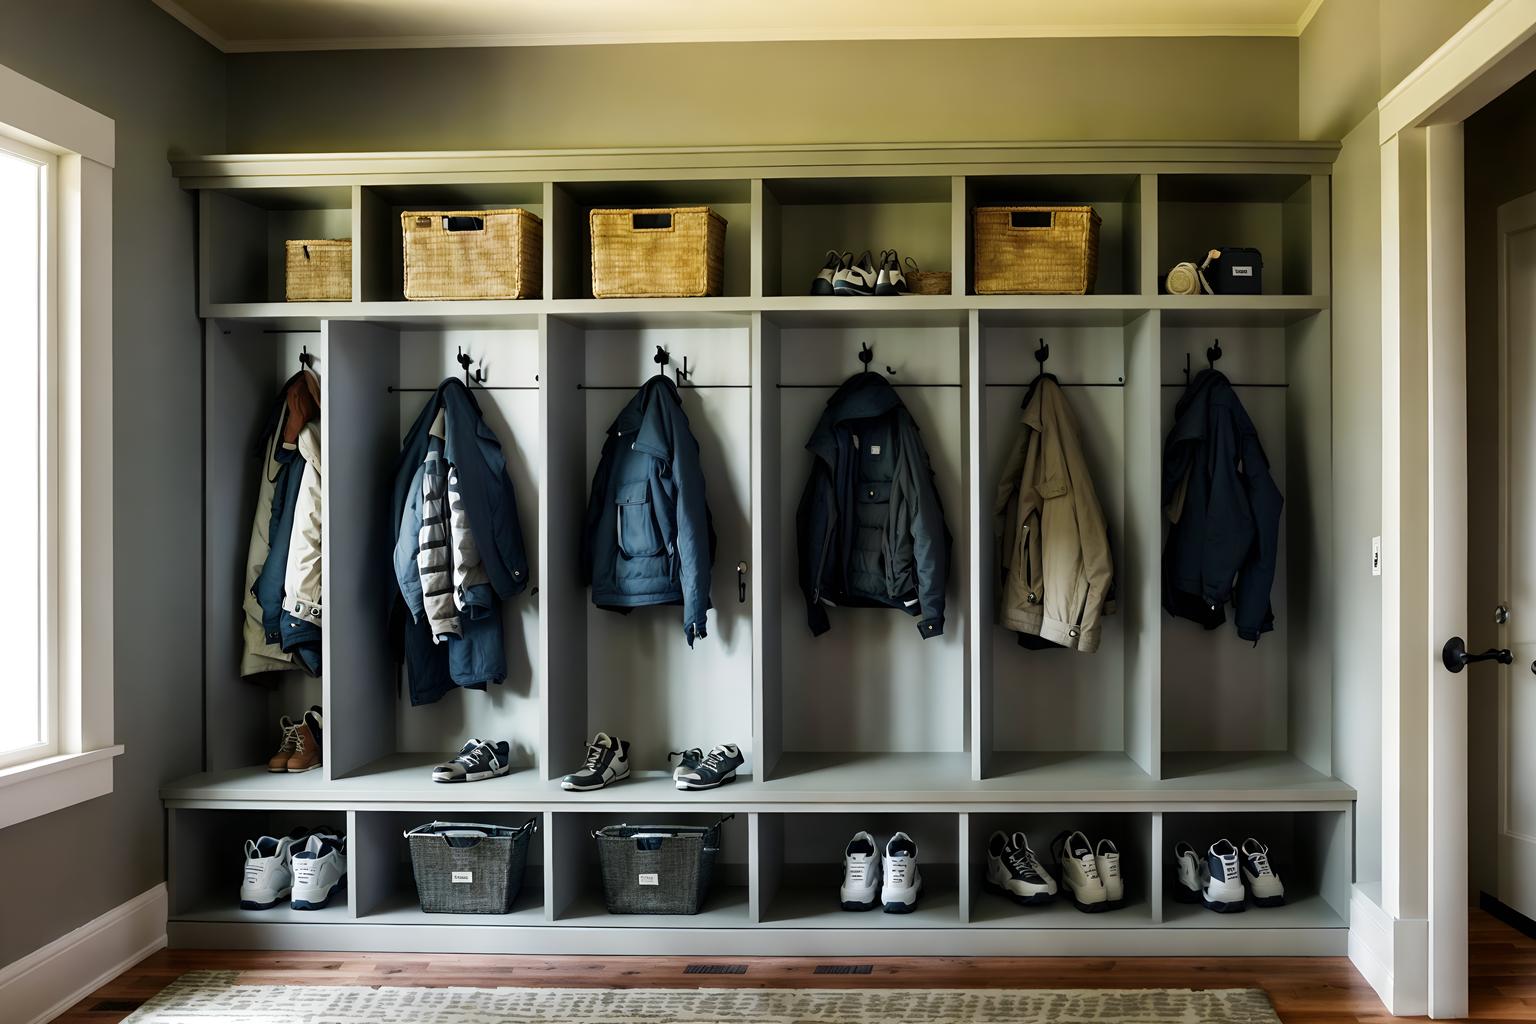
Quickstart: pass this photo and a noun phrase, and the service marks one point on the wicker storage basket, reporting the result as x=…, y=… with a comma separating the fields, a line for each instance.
x=657, y=253
x=318, y=269
x=468, y=868
x=1036, y=250
x=658, y=869
x=929, y=282
x=472, y=254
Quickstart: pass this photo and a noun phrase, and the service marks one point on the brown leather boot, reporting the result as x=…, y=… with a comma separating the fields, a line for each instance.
x=278, y=762
x=308, y=735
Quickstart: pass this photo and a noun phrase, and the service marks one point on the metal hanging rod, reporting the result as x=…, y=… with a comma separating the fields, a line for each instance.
x=1235, y=384
x=478, y=387
x=1064, y=384
x=473, y=379
x=834, y=387
x=637, y=387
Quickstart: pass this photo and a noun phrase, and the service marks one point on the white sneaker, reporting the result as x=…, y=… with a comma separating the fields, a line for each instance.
x=861, y=873
x=319, y=871
x=1190, y=874
x=891, y=281
x=268, y=873
x=1107, y=857
x=1080, y=873
x=1014, y=871
x=1264, y=886
x=822, y=284
x=903, y=883
x=607, y=761
x=1223, y=890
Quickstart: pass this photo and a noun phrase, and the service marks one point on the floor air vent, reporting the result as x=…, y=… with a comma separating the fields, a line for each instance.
x=843, y=969
x=715, y=969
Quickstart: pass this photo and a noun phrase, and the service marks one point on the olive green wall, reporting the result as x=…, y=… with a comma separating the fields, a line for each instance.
x=764, y=93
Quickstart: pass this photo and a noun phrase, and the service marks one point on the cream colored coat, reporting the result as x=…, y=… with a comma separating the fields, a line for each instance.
x=1052, y=542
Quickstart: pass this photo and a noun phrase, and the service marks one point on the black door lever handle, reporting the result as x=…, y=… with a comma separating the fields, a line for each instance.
x=1456, y=657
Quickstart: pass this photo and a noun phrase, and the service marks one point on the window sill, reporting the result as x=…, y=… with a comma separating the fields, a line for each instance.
x=51, y=784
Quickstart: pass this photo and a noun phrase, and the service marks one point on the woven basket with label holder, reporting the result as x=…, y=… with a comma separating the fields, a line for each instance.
x=1036, y=250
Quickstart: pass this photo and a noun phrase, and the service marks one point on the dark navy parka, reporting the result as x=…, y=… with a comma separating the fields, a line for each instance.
x=1225, y=512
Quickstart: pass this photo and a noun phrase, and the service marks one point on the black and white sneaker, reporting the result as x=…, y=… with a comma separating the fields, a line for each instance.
x=718, y=767
x=1264, y=886
x=823, y=283
x=607, y=761
x=856, y=278
x=476, y=760
x=891, y=281
x=1223, y=890
x=1014, y=871
x=687, y=760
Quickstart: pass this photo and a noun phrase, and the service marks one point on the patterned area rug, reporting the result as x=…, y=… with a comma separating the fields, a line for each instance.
x=206, y=997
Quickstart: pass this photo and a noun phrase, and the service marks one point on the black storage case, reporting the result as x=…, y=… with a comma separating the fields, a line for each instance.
x=1239, y=271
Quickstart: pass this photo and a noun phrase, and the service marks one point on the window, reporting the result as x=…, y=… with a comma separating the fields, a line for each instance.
x=28, y=688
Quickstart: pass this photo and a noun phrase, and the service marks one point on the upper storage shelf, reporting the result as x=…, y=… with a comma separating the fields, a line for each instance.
x=785, y=209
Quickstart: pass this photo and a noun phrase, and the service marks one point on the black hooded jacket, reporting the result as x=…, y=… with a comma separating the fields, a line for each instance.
x=870, y=525
x=1225, y=511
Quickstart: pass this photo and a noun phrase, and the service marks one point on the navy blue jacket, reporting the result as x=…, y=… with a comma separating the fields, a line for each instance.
x=649, y=539
x=1225, y=511
x=870, y=524
x=491, y=504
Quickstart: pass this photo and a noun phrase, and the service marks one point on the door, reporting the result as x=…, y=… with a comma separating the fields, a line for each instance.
x=1517, y=686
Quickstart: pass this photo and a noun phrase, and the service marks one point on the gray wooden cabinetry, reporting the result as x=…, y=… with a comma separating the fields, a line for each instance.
x=1167, y=732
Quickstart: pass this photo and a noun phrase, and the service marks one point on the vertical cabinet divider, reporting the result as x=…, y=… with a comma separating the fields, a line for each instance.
x=979, y=597
x=1149, y=246
x=1140, y=581
x=959, y=252
x=766, y=573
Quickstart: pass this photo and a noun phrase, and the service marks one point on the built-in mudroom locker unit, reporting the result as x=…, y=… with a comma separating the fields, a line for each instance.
x=1167, y=733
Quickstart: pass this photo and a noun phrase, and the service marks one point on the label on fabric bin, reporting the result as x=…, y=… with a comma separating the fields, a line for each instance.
x=463, y=877
x=650, y=879
x=1242, y=271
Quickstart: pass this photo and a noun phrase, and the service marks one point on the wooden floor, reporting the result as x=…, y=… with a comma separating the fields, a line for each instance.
x=1325, y=990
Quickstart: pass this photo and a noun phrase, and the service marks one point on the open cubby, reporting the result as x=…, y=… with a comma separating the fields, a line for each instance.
x=804, y=218
x=1269, y=212
x=385, y=890
x=382, y=250
x=1116, y=198
x=245, y=231
x=1166, y=732
x=1309, y=850
x=574, y=200
x=1132, y=835
x=800, y=868
x=384, y=378
x=244, y=372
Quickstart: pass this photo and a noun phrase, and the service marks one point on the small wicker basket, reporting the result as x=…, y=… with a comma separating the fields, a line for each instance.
x=929, y=282
x=472, y=254
x=468, y=868
x=675, y=252
x=318, y=270
x=660, y=869
x=1036, y=250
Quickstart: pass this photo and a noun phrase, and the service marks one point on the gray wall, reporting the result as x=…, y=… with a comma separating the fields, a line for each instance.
x=165, y=89
x=1500, y=166
x=764, y=93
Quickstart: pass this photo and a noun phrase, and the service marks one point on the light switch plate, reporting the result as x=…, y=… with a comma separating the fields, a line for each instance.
x=1375, y=556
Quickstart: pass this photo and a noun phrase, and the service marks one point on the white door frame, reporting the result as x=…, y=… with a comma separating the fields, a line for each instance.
x=1424, y=816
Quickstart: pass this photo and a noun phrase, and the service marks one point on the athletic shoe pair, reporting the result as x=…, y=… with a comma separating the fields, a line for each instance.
x=608, y=761
x=869, y=880
x=840, y=275
x=476, y=760
x=1089, y=873
x=1227, y=876
x=308, y=868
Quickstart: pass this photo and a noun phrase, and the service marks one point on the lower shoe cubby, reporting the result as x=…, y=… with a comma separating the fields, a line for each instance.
x=385, y=889
x=576, y=890
x=207, y=864
x=800, y=868
x=1309, y=850
x=1131, y=834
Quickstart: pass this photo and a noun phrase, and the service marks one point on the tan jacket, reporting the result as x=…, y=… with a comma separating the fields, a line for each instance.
x=1052, y=542
x=301, y=578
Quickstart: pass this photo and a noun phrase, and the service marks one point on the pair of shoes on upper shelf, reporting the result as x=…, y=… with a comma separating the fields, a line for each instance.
x=841, y=275
x=476, y=760
x=299, y=750
x=307, y=867
x=1227, y=876
x=698, y=770
x=892, y=882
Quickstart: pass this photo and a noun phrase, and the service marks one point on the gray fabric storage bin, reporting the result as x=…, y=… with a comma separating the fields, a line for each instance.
x=657, y=869
x=466, y=868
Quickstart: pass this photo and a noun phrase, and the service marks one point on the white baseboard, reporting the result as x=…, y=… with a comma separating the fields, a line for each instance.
x=1392, y=955
x=48, y=981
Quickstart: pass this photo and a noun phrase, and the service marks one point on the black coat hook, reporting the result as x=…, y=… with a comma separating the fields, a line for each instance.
x=867, y=355
x=471, y=377
x=1213, y=353
x=683, y=372
x=305, y=359
x=1042, y=353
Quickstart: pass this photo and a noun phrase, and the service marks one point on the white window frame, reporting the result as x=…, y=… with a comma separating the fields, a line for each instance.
x=77, y=578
